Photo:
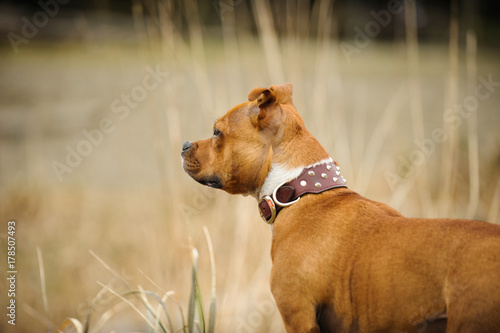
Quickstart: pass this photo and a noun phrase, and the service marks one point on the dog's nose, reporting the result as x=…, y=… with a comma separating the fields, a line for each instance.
x=186, y=145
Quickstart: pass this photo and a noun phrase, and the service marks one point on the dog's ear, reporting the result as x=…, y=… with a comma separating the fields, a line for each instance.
x=280, y=93
x=283, y=93
x=264, y=96
x=269, y=113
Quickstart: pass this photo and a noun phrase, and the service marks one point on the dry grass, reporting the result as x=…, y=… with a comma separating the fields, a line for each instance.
x=129, y=201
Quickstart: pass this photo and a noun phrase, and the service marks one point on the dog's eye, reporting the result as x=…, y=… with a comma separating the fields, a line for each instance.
x=217, y=133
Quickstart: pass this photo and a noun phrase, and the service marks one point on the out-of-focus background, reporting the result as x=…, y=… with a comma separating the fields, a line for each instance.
x=97, y=97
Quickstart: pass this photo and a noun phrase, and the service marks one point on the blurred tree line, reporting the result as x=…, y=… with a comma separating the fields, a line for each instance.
x=433, y=16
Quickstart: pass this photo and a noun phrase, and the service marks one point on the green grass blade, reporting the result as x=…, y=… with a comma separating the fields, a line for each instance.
x=211, y=319
x=192, y=297
x=199, y=303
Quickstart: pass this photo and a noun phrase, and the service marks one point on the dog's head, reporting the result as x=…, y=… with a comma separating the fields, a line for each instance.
x=248, y=140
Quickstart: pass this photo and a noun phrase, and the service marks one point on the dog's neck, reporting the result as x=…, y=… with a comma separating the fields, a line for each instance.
x=280, y=174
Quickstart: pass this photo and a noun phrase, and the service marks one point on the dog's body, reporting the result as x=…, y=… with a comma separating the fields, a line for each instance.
x=341, y=262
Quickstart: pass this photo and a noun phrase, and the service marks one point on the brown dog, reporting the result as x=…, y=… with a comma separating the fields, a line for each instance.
x=341, y=262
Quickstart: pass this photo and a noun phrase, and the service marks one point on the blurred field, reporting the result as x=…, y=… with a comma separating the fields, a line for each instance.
x=128, y=199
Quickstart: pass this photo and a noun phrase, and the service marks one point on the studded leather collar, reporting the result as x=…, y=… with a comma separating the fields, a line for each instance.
x=315, y=179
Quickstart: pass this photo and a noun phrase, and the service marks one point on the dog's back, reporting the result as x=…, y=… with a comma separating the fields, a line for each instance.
x=400, y=274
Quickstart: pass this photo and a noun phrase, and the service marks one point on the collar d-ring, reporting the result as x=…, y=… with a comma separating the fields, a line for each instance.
x=282, y=204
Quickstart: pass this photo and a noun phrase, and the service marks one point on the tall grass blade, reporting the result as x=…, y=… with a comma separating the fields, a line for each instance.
x=44, y=289
x=450, y=150
x=231, y=51
x=36, y=315
x=105, y=317
x=495, y=205
x=71, y=322
x=197, y=53
x=269, y=40
x=141, y=293
x=151, y=316
x=199, y=305
x=192, y=301
x=378, y=138
x=94, y=303
x=164, y=299
x=121, y=297
x=211, y=319
x=473, y=145
x=195, y=302
x=127, y=286
x=412, y=55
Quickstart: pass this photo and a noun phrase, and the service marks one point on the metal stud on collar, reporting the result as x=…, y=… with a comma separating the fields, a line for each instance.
x=270, y=205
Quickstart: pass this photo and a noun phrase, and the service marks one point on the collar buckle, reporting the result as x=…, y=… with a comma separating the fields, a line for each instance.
x=267, y=209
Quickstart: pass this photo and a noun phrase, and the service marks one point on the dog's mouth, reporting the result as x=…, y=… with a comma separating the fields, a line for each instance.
x=212, y=181
x=192, y=167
